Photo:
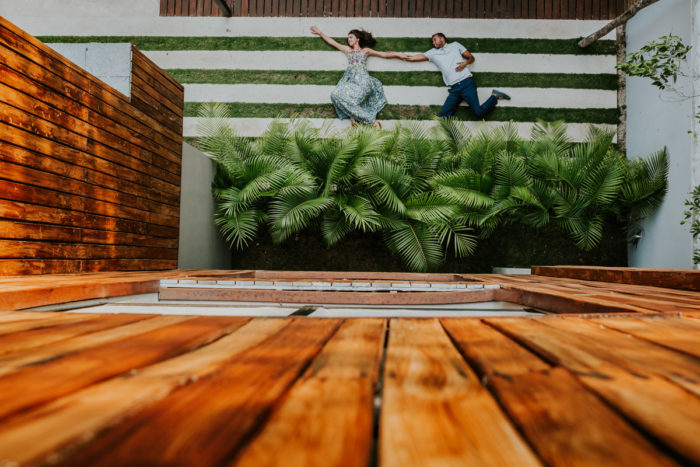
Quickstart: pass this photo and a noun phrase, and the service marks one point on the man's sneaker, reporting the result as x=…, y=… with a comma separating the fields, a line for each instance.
x=500, y=94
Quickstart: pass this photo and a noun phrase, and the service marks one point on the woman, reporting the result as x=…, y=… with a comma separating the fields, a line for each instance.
x=358, y=96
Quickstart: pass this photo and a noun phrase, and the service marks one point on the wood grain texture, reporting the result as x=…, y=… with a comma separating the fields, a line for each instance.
x=434, y=409
x=64, y=375
x=231, y=404
x=675, y=333
x=535, y=9
x=667, y=278
x=63, y=423
x=563, y=421
x=664, y=409
x=82, y=159
x=332, y=403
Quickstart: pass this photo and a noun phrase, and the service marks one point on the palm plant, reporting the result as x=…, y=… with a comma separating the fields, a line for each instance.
x=426, y=190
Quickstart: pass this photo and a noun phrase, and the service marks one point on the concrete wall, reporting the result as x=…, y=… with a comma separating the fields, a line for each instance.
x=110, y=63
x=201, y=245
x=657, y=119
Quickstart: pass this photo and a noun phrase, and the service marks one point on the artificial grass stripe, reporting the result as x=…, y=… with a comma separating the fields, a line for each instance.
x=476, y=45
x=417, y=112
x=396, y=78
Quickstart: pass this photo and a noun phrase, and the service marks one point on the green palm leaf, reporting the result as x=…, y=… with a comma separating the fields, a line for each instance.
x=418, y=247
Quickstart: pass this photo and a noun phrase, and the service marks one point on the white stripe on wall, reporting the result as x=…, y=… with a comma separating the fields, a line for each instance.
x=403, y=95
x=141, y=18
x=322, y=60
x=257, y=126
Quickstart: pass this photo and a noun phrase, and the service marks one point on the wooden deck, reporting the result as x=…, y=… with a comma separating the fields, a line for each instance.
x=615, y=388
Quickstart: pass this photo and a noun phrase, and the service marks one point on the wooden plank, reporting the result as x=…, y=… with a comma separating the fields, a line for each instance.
x=101, y=406
x=15, y=298
x=95, y=169
x=49, y=179
x=435, y=411
x=46, y=197
x=671, y=332
x=139, y=125
x=668, y=278
x=61, y=266
x=33, y=357
x=635, y=354
x=640, y=395
x=333, y=400
x=559, y=302
x=15, y=316
x=85, y=126
x=54, y=129
x=62, y=376
x=563, y=421
x=57, y=233
x=649, y=303
x=13, y=249
x=37, y=337
x=292, y=296
x=193, y=8
x=230, y=405
x=27, y=212
x=159, y=81
x=48, y=321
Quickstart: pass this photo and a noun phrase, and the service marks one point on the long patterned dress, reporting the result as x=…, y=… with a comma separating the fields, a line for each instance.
x=358, y=95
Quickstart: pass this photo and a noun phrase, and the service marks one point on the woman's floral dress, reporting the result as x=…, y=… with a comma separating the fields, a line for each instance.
x=358, y=95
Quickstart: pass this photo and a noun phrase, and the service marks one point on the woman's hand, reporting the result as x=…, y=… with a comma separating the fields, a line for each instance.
x=315, y=30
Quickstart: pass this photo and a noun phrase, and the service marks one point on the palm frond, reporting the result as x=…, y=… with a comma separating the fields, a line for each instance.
x=417, y=246
x=386, y=180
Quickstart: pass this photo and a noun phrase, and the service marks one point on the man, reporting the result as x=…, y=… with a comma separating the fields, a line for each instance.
x=452, y=60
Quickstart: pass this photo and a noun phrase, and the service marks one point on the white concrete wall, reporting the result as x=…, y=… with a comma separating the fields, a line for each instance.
x=656, y=119
x=141, y=18
x=201, y=245
x=110, y=63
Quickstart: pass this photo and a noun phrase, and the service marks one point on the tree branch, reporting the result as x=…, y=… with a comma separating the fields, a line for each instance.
x=622, y=19
x=223, y=7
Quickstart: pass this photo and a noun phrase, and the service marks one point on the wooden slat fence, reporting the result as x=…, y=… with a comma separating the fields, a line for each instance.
x=89, y=180
x=513, y=9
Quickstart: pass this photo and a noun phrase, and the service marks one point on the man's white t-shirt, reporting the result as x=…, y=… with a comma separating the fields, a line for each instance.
x=446, y=59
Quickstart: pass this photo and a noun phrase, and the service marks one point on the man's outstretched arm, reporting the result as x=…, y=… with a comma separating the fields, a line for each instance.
x=416, y=58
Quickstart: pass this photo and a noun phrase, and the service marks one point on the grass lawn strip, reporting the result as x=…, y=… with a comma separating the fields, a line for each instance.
x=416, y=112
x=476, y=45
x=389, y=78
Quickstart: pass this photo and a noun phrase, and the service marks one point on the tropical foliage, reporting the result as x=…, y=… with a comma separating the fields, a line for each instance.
x=426, y=191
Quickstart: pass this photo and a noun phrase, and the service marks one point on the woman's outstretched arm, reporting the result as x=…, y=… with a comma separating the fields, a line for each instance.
x=343, y=48
x=373, y=53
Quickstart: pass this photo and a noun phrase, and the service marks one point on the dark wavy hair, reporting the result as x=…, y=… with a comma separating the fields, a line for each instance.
x=366, y=39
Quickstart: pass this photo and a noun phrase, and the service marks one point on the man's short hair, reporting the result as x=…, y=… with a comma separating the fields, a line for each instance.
x=439, y=34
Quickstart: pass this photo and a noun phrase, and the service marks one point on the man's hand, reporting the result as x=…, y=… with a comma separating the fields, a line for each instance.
x=461, y=66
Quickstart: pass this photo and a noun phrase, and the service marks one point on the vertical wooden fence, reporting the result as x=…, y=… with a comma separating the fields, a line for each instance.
x=515, y=9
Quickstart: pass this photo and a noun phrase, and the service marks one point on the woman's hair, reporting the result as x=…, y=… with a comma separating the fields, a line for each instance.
x=365, y=37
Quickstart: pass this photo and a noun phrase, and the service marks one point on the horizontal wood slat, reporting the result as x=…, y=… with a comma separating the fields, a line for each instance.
x=522, y=9
x=89, y=178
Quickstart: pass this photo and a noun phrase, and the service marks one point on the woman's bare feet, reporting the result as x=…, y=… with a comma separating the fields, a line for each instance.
x=353, y=122
x=378, y=124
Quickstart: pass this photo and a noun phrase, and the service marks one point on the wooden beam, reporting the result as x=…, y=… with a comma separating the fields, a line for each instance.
x=223, y=7
x=622, y=19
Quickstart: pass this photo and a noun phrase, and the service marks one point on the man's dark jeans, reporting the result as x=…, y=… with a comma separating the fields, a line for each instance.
x=466, y=89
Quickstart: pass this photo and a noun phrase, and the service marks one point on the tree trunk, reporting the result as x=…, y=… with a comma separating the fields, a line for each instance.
x=622, y=19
